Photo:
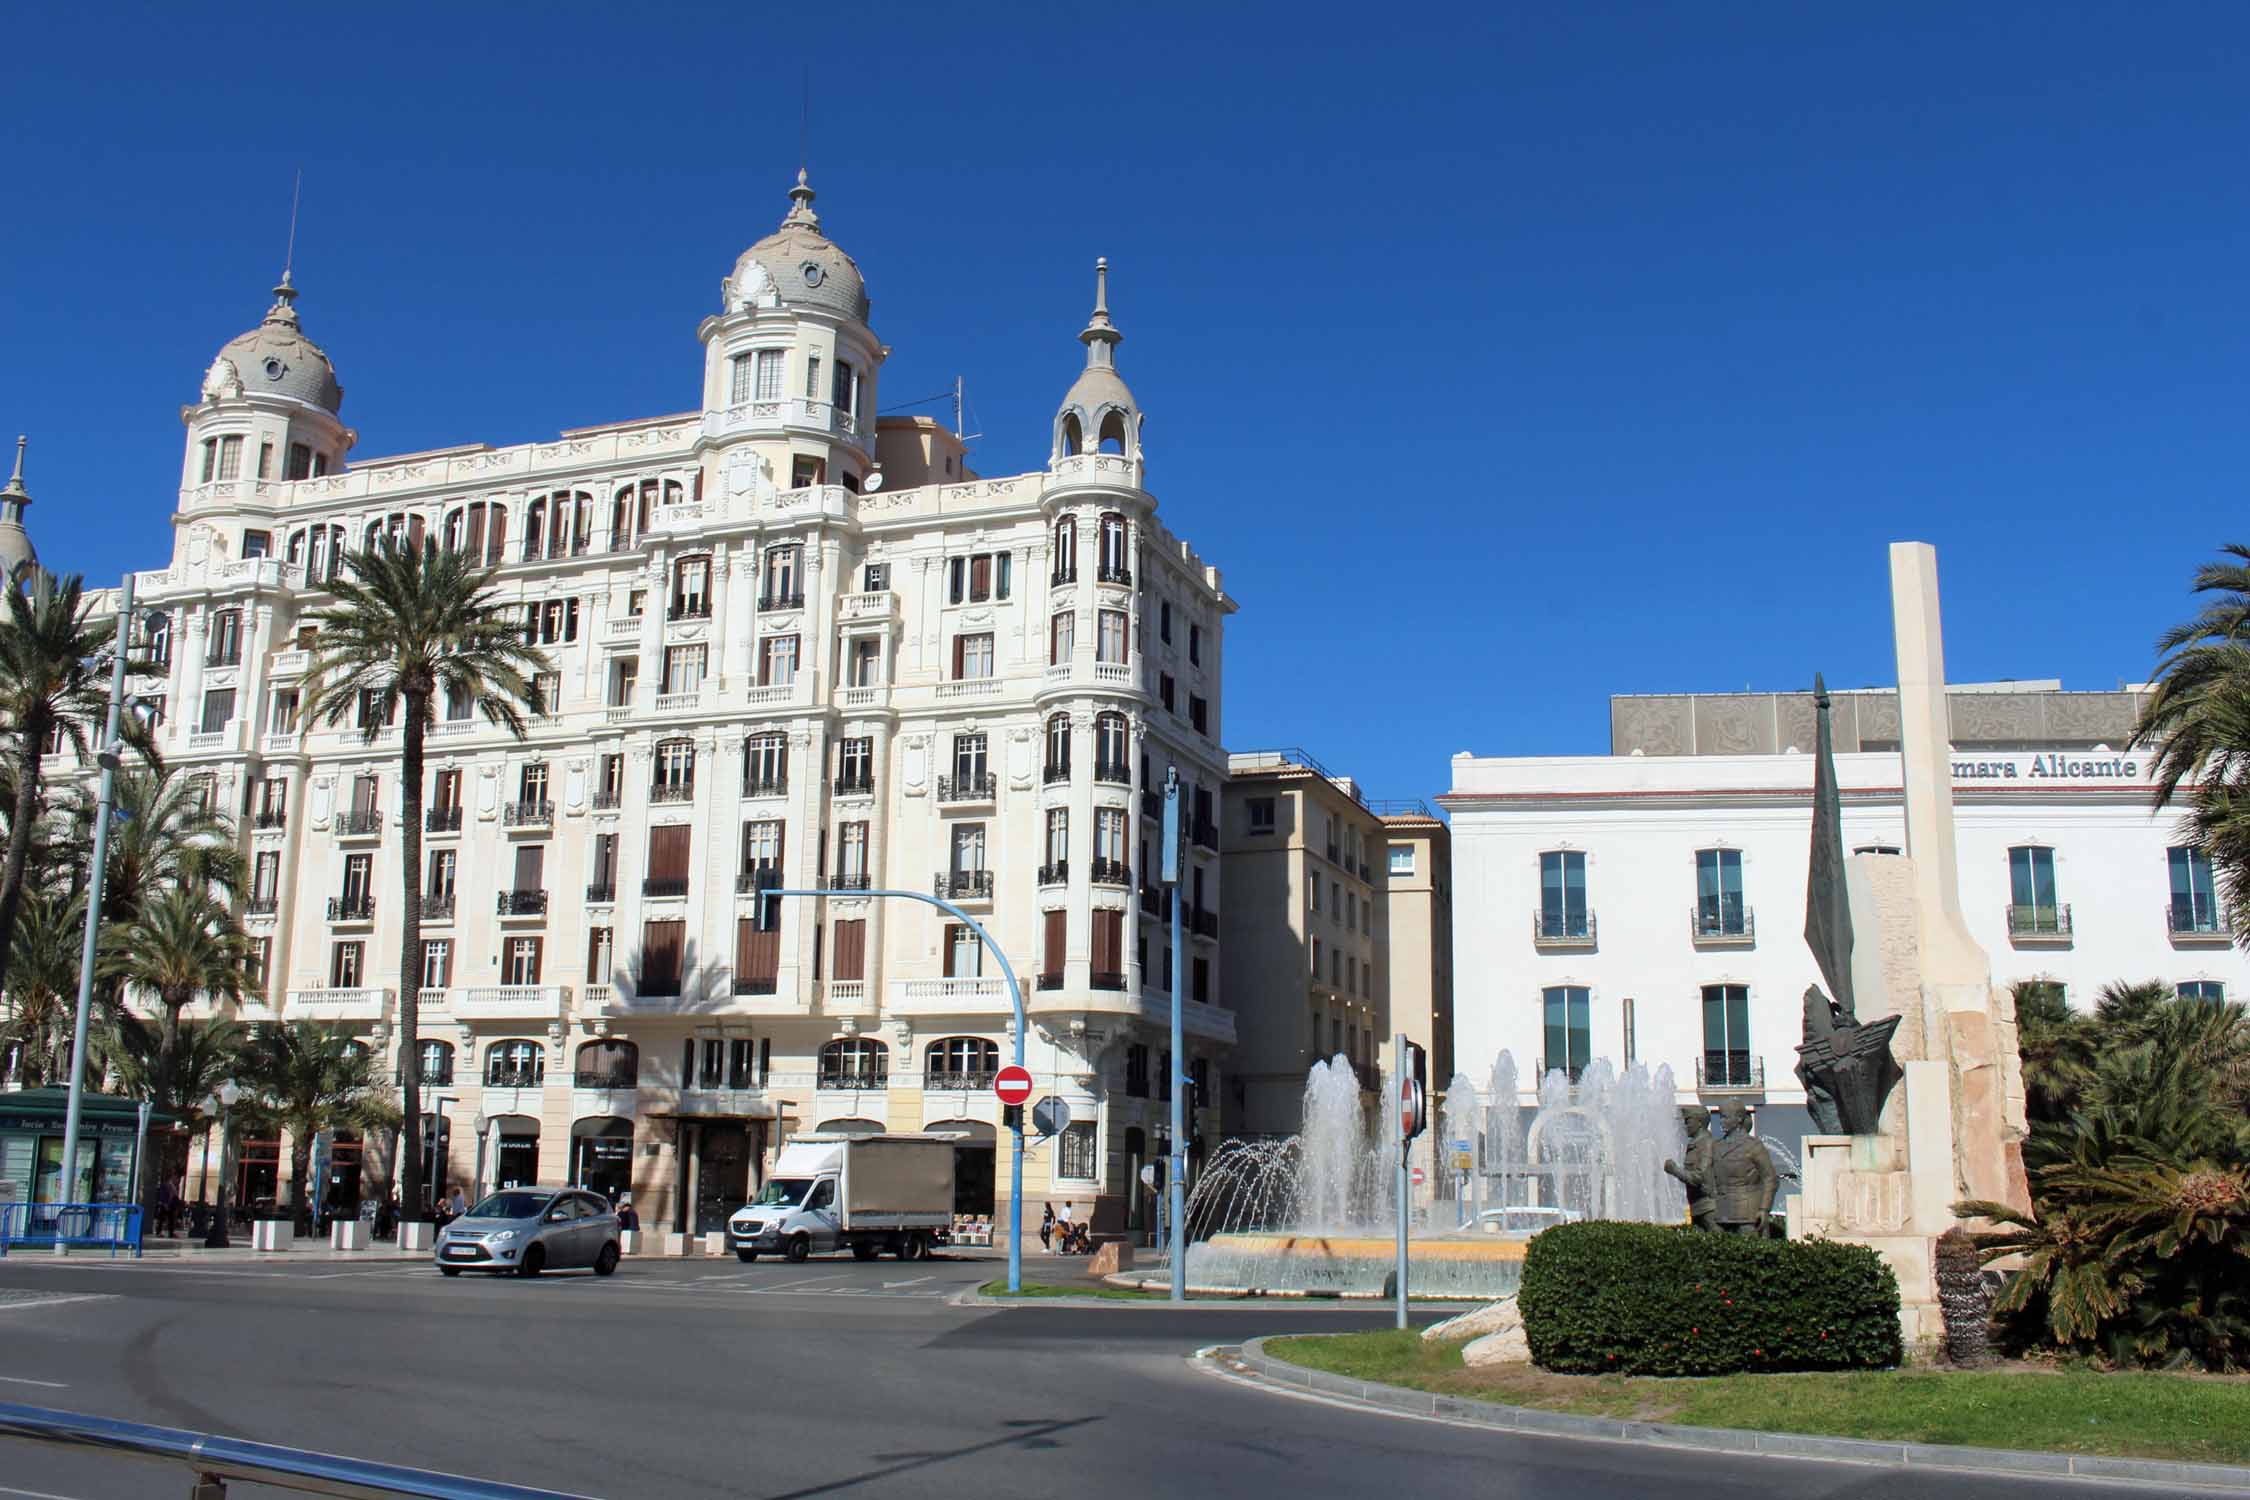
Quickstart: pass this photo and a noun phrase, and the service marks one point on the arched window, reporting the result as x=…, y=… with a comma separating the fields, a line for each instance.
x=437, y=1064
x=557, y=525
x=479, y=529
x=1066, y=550
x=319, y=550
x=1058, y=748
x=401, y=528
x=1073, y=435
x=960, y=1063
x=674, y=773
x=515, y=1065
x=1113, y=431
x=855, y=1062
x=608, y=1064
x=1114, y=566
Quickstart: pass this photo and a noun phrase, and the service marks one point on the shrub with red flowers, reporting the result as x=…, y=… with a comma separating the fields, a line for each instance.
x=1656, y=1299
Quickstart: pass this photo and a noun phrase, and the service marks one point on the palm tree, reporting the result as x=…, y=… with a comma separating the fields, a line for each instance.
x=204, y=1057
x=306, y=1078
x=54, y=659
x=42, y=995
x=409, y=623
x=182, y=944
x=163, y=834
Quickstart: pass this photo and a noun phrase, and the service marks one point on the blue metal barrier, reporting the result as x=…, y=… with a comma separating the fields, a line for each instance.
x=116, y=1226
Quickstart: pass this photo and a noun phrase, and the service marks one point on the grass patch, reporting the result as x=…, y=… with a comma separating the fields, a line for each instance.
x=999, y=1288
x=2192, y=1418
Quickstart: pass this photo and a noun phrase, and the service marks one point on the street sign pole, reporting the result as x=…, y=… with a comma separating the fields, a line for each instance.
x=1015, y=1000
x=1175, y=1186
x=1404, y=1084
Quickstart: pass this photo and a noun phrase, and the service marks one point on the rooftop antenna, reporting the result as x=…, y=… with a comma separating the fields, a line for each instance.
x=960, y=411
x=289, y=257
x=804, y=119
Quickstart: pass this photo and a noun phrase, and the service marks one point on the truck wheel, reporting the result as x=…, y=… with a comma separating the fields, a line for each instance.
x=915, y=1248
x=800, y=1248
x=746, y=1256
x=861, y=1250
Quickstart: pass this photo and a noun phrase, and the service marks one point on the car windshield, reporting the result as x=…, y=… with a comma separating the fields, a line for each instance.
x=510, y=1206
x=782, y=1192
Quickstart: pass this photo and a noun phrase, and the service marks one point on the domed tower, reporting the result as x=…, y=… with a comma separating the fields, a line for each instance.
x=1099, y=414
x=16, y=552
x=268, y=412
x=789, y=364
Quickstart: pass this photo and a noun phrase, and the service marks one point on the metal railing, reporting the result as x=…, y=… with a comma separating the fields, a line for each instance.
x=1055, y=774
x=757, y=878
x=1152, y=804
x=429, y=1077
x=1112, y=872
x=601, y=892
x=756, y=984
x=605, y=1078
x=359, y=821
x=1560, y=928
x=1205, y=833
x=437, y=906
x=858, y=881
x=442, y=820
x=262, y=906
x=528, y=815
x=974, y=786
x=1730, y=922
x=1050, y=981
x=672, y=791
x=2039, y=921
x=765, y=786
x=351, y=908
x=1113, y=772
x=523, y=903
x=854, y=783
x=498, y=1076
x=214, y=1462
x=664, y=886
x=116, y=1226
x=1106, y=979
x=972, y=1081
x=271, y=817
x=853, y=1078
x=1113, y=573
x=782, y=599
x=608, y=801
x=2193, y=919
x=1057, y=873
x=1716, y=1071
x=973, y=885
x=1204, y=922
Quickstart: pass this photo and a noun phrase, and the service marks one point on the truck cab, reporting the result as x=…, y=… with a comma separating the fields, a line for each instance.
x=865, y=1194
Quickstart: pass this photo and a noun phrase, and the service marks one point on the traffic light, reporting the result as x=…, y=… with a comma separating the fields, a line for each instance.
x=1418, y=1069
x=1011, y=1115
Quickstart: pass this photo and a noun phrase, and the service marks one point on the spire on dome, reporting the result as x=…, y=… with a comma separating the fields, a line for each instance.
x=800, y=205
x=1100, y=336
x=284, y=309
x=16, y=552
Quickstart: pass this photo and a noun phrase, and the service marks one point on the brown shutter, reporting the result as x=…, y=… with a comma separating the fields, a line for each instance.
x=851, y=949
x=1108, y=940
x=668, y=849
x=960, y=654
x=595, y=936
x=952, y=939
x=1058, y=941
x=531, y=866
x=757, y=955
x=498, y=543
x=661, y=944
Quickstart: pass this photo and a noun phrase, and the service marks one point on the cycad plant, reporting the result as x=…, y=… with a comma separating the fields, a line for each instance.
x=412, y=625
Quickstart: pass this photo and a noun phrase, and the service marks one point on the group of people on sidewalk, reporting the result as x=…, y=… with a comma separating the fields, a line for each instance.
x=1065, y=1233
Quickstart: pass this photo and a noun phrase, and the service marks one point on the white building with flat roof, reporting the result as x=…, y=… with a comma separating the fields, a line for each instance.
x=1651, y=906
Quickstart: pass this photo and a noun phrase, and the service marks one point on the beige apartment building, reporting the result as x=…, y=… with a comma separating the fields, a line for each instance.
x=1416, y=929
x=1303, y=906
x=792, y=644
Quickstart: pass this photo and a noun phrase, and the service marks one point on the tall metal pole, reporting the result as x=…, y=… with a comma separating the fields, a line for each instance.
x=1401, y=1086
x=1175, y=1185
x=1015, y=1000
x=106, y=754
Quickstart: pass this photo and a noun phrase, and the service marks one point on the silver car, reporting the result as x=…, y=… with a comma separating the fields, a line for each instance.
x=528, y=1230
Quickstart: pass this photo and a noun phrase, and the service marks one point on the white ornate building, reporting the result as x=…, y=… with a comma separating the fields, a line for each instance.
x=769, y=667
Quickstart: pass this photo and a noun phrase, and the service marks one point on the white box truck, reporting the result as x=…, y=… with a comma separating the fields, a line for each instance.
x=862, y=1193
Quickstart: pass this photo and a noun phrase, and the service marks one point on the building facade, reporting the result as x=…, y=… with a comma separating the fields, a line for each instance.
x=791, y=645
x=1302, y=908
x=1650, y=906
x=1414, y=926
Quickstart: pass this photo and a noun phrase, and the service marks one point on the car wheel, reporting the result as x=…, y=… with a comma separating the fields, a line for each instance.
x=746, y=1256
x=606, y=1262
x=534, y=1261
x=449, y=1270
x=861, y=1250
x=800, y=1248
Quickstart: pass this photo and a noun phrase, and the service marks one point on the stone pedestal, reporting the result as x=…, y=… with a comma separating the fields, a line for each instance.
x=272, y=1234
x=675, y=1243
x=416, y=1235
x=628, y=1242
x=715, y=1242
x=350, y=1234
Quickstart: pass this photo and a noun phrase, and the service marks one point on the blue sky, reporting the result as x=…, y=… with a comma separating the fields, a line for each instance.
x=1503, y=357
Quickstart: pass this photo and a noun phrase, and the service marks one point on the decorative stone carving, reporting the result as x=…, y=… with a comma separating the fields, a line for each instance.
x=222, y=381
x=488, y=793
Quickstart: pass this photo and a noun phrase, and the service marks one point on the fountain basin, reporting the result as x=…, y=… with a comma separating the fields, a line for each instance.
x=1309, y=1263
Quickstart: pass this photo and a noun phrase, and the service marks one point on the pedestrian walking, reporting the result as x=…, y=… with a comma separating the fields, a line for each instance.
x=1047, y=1228
x=628, y=1217
x=167, y=1210
x=458, y=1204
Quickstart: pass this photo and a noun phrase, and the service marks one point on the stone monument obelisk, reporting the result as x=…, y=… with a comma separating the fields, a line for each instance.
x=1955, y=1128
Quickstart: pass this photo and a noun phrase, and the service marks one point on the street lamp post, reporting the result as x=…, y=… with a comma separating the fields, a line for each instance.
x=1175, y=1185
x=228, y=1093
x=1015, y=999
x=484, y=1133
x=438, y=1152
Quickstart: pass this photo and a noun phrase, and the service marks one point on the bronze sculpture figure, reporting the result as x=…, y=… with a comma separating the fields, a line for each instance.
x=1694, y=1171
x=1743, y=1182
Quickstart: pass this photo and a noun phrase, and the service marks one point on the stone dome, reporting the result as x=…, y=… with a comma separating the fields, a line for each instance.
x=798, y=266
x=276, y=359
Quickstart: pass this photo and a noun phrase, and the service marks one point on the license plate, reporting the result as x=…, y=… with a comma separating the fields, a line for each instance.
x=460, y=1252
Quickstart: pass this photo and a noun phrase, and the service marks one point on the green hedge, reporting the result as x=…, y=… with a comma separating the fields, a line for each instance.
x=1656, y=1299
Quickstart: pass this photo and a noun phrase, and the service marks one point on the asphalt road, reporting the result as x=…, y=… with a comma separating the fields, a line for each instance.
x=711, y=1378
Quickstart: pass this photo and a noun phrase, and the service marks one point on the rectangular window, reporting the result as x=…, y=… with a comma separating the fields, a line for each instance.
x=437, y=963
x=265, y=460
x=968, y=848
x=1110, y=640
x=661, y=946
x=855, y=764
x=1062, y=638
x=851, y=949
x=300, y=461
x=972, y=656
x=683, y=669
x=1199, y=714
x=1402, y=859
x=777, y=661
x=1164, y=621
x=768, y=386
x=1199, y=981
x=520, y=962
x=359, y=881
x=265, y=879
x=1726, y=1037
x=964, y=955
x=2210, y=990
x=1054, y=948
x=285, y=711
x=344, y=969
x=257, y=543
x=876, y=579
x=257, y=965
x=2195, y=906
x=1166, y=693
x=812, y=377
x=2031, y=891
x=851, y=854
x=1109, y=950
x=1195, y=645
x=547, y=688
x=668, y=850
x=444, y=863
x=609, y=789
x=1562, y=894
x=1075, y=1152
x=230, y=457
x=1569, y=1030
x=224, y=649
x=445, y=791
x=218, y=709
x=1109, y=838
x=784, y=586
x=757, y=957
x=600, y=946
x=1719, y=911
x=864, y=666
x=691, y=589
x=1058, y=842
x=624, y=676
x=738, y=380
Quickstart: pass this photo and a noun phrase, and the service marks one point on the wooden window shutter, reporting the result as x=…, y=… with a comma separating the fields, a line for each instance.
x=953, y=931
x=960, y=655
x=1058, y=941
x=661, y=945
x=757, y=954
x=668, y=848
x=851, y=949
x=1108, y=939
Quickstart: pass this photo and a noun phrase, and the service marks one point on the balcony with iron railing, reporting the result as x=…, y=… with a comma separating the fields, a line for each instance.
x=1728, y=924
x=359, y=823
x=963, y=885
x=442, y=820
x=1113, y=773
x=351, y=908
x=757, y=878
x=608, y=801
x=437, y=906
x=605, y=1079
x=270, y=817
x=497, y=1076
x=1204, y=922
x=1057, y=873
x=765, y=786
x=782, y=599
x=2193, y=921
x=438, y=1076
x=1204, y=834
x=1562, y=929
x=672, y=791
x=832, y=1077
x=1050, y=981
x=755, y=984
x=528, y=815
x=1114, y=573
x=851, y=880
x=2036, y=924
x=1055, y=773
x=1152, y=900
x=664, y=887
x=855, y=784
x=1729, y=1072
x=1106, y=979
x=522, y=903
x=1152, y=804
x=959, y=1081
x=601, y=893
x=689, y=609
x=1112, y=872
x=966, y=786
x=262, y=906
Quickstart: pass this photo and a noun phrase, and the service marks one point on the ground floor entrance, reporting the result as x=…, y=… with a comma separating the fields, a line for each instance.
x=515, y=1152
x=722, y=1176
x=601, y=1156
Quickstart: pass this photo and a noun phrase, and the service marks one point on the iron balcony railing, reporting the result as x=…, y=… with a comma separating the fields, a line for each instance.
x=1050, y=981
x=855, y=783
x=2192, y=919
x=1729, y=1070
x=528, y=815
x=971, y=786
x=1152, y=804
x=853, y=1078
x=359, y=821
x=442, y=820
x=1206, y=833
x=437, y=906
x=1152, y=900
x=973, y=885
x=605, y=1078
x=1113, y=772
x=1112, y=872
x=2039, y=921
x=691, y=609
x=429, y=1077
x=1056, y=773
x=1726, y=923
x=765, y=786
x=1057, y=873
x=601, y=893
x=971, y=1081
x=1114, y=573
x=523, y=903
x=755, y=984
x=271, y=817
x=1106, y=979
x=351, y=908
x=608, y=801
x=782, y=599
x=514, y=1078
x=664, y=885
x=1063, y=576
x=757, y=878
x=262, y=906
x=1560, y=929
x=1204, y=921
x=856, y=881
x=672, y=791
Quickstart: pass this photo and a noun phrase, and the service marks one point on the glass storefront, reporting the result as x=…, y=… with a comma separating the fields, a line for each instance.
x=601, y=1156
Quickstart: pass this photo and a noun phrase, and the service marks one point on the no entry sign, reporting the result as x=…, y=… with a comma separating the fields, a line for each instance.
x=1012, y=1084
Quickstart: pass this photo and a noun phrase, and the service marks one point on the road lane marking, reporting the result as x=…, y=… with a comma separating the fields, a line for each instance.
x=911, y=1280
x=9, y=1489
x=52, y=1385
x=809, y=1281
x=54, y=1299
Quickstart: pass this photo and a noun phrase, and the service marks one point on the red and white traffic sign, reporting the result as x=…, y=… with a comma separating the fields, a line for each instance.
x=1417, y=1176
x=1409, y=1107
x=1012, y=1084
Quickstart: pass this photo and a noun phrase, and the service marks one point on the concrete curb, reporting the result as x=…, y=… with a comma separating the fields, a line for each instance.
x=1252, y=1362
x=970, y=1296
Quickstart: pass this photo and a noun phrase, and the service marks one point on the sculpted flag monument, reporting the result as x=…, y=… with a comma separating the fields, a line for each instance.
x=1846, y=1068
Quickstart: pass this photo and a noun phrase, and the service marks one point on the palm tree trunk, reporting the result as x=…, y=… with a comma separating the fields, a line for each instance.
x=410, y=962
x=31, y=737
x=300, y=1167
x=160, y=1095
